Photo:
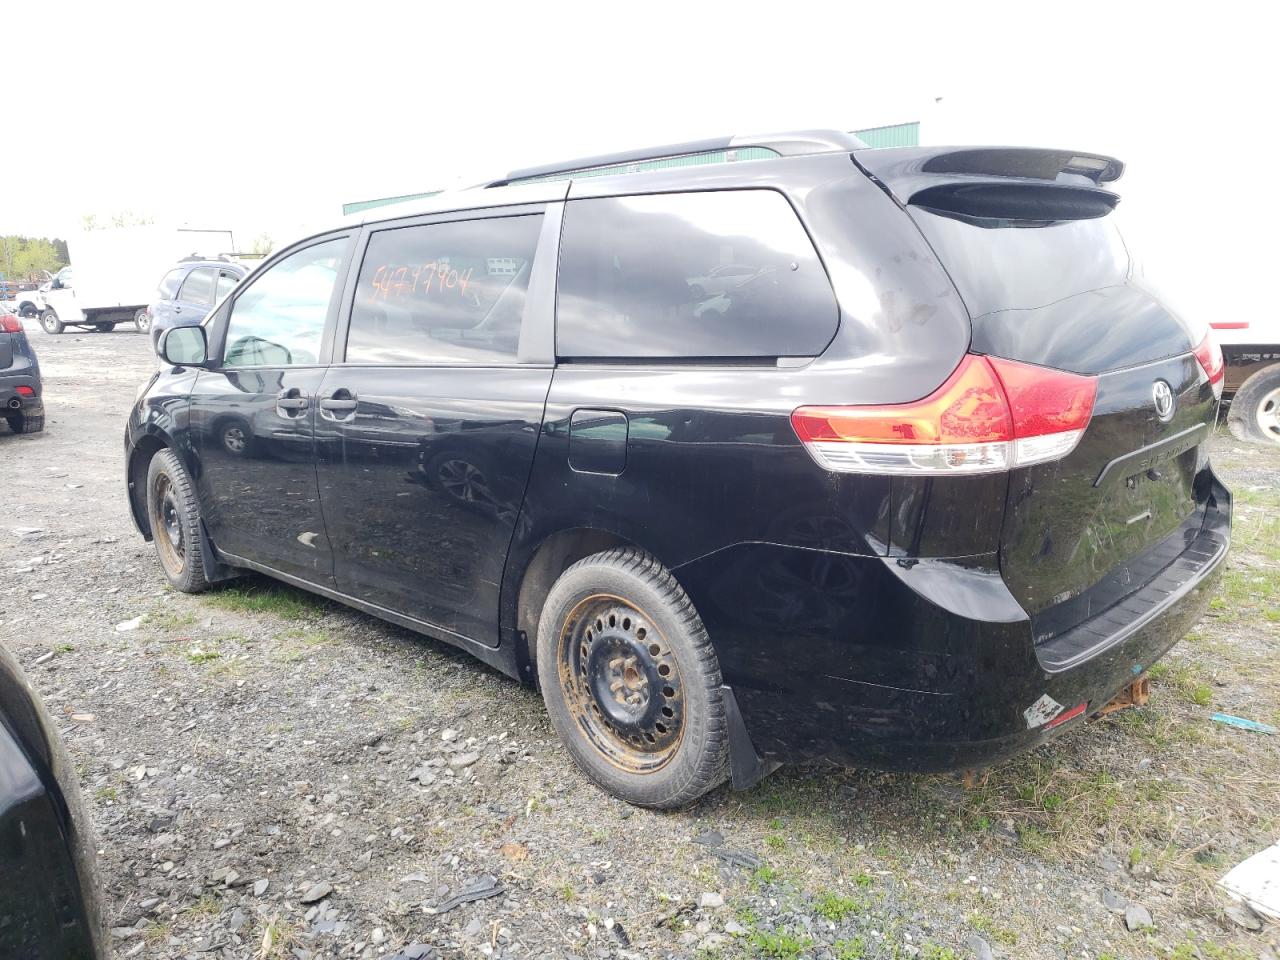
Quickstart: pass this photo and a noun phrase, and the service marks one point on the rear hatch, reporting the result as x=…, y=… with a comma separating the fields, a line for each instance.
x=1029, y=240
x=7, y=345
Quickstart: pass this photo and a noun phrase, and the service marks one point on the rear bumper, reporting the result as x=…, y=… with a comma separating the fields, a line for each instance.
x=925, y=665
x=9, y=395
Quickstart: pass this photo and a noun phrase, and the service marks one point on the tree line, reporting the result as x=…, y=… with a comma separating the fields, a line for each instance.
x=26, y=258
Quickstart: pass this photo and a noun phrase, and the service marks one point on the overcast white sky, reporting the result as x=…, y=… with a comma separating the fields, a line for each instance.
x=266, y=116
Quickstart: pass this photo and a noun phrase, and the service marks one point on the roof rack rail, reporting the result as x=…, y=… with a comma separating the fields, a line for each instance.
x=794, y=144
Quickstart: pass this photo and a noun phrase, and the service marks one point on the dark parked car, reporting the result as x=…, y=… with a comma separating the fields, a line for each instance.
x=928, y=487
x=48, y=882
x=21, y=402
x=189, y=291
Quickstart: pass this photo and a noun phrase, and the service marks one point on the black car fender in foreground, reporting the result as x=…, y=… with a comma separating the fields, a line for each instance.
x=48, y=882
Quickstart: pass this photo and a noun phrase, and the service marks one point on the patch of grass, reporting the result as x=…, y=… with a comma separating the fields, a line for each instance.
x=63, y=648
x=276, y=599
x=278, y=939
x=864, y=879
x=853, y=949
x=170, y=619
x=297, y=644
x=1207, y=950
x=931, y=951
x=156, y=933
x=1033, y=839
x=747, y=917
x=993, y=931
x=779, y=944
x=834, y=907
x=106, y=793
x=1187, y=681
x=206, y=906
x=567, y=893
x=765, y=874
x=775, y=841
x=198, y=656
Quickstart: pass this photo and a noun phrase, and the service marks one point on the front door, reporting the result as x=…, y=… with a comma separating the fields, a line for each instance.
x=253, y=414
x=61, y=297
x=426, y=433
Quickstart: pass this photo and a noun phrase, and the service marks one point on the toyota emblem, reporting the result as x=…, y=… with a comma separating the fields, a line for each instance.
x=1162, y=393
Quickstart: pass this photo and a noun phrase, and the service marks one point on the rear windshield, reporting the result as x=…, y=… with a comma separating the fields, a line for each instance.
x=1023, y=267
x=730, y=274
x=1060, y=294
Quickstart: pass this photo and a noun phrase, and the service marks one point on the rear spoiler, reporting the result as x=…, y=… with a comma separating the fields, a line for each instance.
x=983, y=184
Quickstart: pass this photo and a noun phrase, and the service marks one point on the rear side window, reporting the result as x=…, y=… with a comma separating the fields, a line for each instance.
x=443, y=293
x=226, y=283
x=169, y=285
x=730, y=274
x=198, y=287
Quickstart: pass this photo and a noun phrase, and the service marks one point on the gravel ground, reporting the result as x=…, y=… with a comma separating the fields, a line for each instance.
x=275, y=776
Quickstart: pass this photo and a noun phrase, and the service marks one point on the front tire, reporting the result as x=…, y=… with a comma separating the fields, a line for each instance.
x=49, y=320
x=1255, y=409
x=142, y=320
x=631, y=680
x=174, y=516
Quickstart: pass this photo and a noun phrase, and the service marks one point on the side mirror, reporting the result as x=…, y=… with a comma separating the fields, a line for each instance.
x=184, y=347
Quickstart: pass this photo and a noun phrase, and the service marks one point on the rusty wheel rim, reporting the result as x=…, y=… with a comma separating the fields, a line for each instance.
x=622, y=684
x=166, y=526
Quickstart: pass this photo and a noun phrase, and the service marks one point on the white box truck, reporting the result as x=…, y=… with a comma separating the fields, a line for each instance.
x=113, y=274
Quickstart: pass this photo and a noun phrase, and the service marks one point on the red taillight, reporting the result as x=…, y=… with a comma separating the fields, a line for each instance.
x=25, y=391
x=990, y=415
x=10, y=324
x=1209, y=353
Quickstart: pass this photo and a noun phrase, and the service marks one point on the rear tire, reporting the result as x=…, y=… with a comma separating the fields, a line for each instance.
x=174, y=516
x=49, y=320
x=1255, y=409
x=26, y=422
x=631, y=680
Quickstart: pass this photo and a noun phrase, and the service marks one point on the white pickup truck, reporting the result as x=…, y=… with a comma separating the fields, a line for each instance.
x=1251, y=349
x=113, y=274
x=29, y=303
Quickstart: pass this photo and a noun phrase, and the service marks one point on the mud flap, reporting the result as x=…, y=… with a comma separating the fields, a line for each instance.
x=746, y=767
x=215, y=571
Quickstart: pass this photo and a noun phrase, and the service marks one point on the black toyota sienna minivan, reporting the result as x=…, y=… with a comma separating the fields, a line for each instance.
x=745, y=451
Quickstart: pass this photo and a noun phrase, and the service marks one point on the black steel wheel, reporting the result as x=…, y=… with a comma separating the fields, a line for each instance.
x=622, y=682
x=174, y=517
x=631, y=681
